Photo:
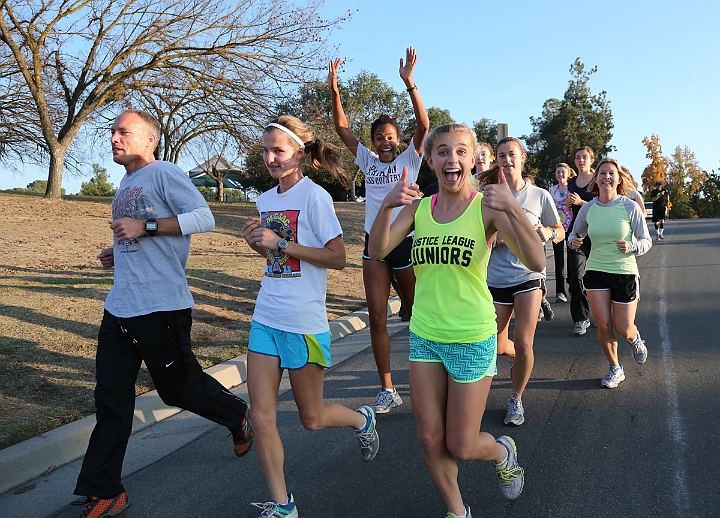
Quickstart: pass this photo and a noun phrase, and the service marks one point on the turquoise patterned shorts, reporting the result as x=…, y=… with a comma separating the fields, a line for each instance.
x=466, y=363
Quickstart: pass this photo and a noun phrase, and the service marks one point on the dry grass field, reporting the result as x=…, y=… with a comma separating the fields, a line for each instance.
x=52, y=290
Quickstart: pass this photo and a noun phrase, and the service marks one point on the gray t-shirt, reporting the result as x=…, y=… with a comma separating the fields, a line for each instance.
x=150, y=271
x=505, y=269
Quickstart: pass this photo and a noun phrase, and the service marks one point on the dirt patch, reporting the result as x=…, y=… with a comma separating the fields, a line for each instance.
x=52, y=289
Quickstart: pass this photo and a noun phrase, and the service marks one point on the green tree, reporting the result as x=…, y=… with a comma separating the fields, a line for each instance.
x=486, y=131
x=35, y=187
x=99, y=184
x=709, y=203
x=580, y=118
x=38, y=186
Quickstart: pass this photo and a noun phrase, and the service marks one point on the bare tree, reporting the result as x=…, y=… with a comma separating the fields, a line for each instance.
x=78, y=57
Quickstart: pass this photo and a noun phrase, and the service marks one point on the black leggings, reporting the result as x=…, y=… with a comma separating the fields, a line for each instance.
x=579, y=306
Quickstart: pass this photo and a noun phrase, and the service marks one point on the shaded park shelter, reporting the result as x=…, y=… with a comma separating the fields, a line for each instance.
x=219, y=169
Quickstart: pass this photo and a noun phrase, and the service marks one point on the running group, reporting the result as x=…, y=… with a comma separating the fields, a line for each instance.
x=465, y=256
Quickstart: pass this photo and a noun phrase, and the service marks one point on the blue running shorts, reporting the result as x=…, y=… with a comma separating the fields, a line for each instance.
x=294, y=350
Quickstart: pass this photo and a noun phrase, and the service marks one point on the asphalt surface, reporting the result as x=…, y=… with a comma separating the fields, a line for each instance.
x=648, y=448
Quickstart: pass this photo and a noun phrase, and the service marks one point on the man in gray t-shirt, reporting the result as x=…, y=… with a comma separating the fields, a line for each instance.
x=147, y=313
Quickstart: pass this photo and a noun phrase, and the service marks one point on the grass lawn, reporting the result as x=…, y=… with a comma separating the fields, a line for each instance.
x=52, y=290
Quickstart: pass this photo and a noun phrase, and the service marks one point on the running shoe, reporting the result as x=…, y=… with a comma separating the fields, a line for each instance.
x=96, y=507
x=274, y=510
x=385, y=400
x=560, y=297
x=453, y=515
x=547, y=310
x=243, y=437
x=515, y=412
x=581, y=327
x=511, y=475
x=613, y=378
x=368, y=436
x=639, y=349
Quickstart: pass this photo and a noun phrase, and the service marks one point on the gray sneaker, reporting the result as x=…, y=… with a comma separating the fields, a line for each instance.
x=512, y=476
x=385, y=400
x=560, y=297
x=368, y=439
x=613, y=378
x=581, y=327
x=639, y=349
x=467, y=513
x=515, y=412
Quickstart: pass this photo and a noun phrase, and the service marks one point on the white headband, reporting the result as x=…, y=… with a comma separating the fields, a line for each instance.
x=289, y=132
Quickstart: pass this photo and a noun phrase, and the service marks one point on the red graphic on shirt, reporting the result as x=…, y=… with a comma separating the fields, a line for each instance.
x=284, y=224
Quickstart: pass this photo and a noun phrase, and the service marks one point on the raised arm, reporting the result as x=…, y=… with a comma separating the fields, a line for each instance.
x=341, y=124
x=421, y=116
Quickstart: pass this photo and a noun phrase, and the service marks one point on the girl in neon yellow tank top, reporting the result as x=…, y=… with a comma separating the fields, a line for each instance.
x=452, y=231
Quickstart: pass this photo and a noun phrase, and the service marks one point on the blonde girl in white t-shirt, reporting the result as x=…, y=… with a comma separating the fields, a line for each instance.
x=300, y=237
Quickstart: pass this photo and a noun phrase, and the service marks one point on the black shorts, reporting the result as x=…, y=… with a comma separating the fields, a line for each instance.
x=624, y=289
x=399, y=258
x=505, y=296
x=659, y=214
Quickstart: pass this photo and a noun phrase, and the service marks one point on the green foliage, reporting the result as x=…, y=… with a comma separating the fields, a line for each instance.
x=99, y=184
x=486, y=131
x=579, y=119
x=39, y=186
x=708, y=205
x=35, y=187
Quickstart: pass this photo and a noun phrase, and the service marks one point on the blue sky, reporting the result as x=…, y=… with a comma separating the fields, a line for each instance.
x=658, y=62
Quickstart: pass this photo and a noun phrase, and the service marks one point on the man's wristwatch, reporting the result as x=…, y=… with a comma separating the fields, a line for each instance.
x=282, y=245
x=553, y=237
x=151, y=227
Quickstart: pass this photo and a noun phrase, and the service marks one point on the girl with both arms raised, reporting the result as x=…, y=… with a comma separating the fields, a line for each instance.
x=300, y=237
x=618, y=233
x=382, y=171
x=515, y=287
x=453, y=345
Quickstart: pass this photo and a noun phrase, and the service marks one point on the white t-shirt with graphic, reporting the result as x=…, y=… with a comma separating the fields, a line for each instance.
x=381, y=177
x=292, y=292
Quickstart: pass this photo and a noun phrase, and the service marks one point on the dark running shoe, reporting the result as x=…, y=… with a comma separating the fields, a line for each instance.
x=547, y=311
x=96, y=507
x=243, y=437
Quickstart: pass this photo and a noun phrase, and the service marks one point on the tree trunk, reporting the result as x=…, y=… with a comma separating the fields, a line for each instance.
x=220, y=194
x=55, y=172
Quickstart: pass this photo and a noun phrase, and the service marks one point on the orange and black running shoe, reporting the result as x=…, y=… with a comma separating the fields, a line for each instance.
x=243, y=437
x=96, y=507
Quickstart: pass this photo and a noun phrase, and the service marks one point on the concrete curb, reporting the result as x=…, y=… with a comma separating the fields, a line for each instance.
x=43, y=454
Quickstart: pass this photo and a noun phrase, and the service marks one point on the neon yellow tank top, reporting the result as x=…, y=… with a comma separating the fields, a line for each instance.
x=452, y=299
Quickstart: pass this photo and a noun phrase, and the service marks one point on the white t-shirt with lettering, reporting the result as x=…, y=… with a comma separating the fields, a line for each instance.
x=381, y=177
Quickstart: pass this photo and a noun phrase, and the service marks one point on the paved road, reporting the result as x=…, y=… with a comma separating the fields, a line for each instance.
x=648, y=448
